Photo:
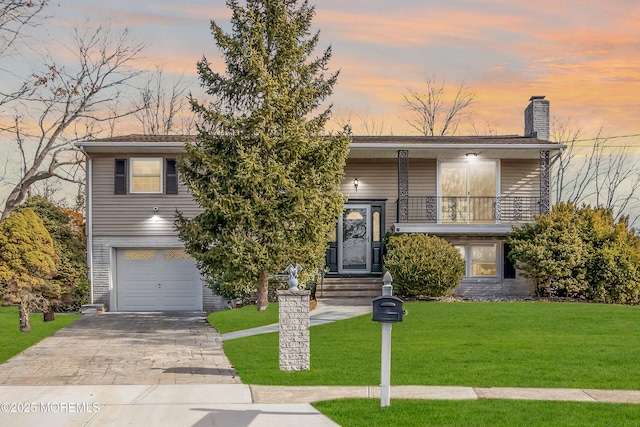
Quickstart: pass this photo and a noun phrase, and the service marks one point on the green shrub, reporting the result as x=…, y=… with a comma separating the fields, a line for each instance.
x=67, y=232
x=422, y=265
x=552, y=253
x=581, y=253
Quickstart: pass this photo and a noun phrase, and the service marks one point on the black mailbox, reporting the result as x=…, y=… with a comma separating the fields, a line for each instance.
x=387, y=309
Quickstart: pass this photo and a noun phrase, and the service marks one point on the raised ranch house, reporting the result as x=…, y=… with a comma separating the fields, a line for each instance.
x=469, y=190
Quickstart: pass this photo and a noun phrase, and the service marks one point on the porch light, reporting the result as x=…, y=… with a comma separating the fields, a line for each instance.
x=356, y=183
x=471, y=155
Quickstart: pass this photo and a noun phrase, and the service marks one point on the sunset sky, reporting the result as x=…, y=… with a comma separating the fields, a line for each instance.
x=584, y=55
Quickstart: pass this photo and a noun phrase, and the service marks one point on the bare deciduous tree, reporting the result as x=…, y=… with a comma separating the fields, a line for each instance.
x=433, y=113
x=161, y=111
x=14, y=16
x=366, y=125
x=567, y=133
x=597, y=173
x=371, y=126
x=65, y=104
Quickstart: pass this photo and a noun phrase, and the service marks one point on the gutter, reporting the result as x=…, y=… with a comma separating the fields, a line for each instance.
x=415, y=146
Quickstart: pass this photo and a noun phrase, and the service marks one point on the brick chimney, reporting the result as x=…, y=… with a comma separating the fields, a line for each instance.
x=536, y=118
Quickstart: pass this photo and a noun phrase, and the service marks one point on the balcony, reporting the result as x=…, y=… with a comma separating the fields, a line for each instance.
x=471, y=210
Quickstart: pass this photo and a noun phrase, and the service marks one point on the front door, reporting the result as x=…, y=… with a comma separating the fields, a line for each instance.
x=354, y=243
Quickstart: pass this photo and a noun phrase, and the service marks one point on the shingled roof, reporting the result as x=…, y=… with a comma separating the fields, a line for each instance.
x=426, y=140
x=146, y=138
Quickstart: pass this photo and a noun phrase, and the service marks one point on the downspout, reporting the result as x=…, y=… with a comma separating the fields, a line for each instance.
x=89, y=223
x=557, y=156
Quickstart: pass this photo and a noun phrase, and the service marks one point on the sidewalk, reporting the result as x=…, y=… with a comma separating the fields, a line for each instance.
x=226, y=405
x=233, y=404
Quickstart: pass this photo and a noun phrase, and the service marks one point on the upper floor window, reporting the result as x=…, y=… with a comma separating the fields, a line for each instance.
x=146, y=175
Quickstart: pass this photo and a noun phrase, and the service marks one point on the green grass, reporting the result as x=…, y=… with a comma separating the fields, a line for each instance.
x=519, y=344
x=12, y=341
x=495, y=413
x=243, y=318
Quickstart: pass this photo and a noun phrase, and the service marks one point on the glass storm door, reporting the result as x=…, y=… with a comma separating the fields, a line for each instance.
x=354, y=244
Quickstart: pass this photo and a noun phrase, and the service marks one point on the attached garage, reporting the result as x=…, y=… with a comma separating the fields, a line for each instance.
x=157, y=280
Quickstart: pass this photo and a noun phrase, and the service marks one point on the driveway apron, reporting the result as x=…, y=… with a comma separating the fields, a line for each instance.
x=125, y=348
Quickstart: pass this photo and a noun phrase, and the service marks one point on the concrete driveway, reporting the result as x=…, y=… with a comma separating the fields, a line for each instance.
x=125, y=348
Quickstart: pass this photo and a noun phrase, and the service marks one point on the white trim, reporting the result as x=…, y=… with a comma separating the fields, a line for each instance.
x=160, y=160
x=113, y=288
x=453, y=228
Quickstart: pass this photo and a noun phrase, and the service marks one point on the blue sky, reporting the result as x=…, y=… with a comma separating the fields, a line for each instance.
x=584, y=55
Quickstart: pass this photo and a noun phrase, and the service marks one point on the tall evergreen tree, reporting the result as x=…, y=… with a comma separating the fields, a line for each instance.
x=263, y=169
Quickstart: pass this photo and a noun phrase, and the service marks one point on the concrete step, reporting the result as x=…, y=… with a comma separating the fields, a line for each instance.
x=349, y=288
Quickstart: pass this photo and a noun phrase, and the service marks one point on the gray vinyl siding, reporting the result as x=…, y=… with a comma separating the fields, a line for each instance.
x=423, y=177
x=131, y=214
x=520, y=177
x=378, y=180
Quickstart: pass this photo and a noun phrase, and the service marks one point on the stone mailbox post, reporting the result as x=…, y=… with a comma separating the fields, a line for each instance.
x=294, y=324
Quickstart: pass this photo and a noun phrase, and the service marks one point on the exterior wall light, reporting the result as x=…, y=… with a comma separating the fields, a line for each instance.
x=356, y=183
x=155, y=209
x=471, y=155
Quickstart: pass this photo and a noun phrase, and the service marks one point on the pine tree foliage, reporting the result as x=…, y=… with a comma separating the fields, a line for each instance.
x=27, y=262
x=264, y=171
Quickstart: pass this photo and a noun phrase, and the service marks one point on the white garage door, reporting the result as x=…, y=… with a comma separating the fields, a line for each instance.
x=156, y=280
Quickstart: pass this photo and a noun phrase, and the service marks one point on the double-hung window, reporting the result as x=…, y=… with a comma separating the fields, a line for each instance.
x=145, y=175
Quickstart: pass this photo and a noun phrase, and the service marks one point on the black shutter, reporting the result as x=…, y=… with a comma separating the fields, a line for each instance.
x=509, y=269
x=171, y=177
x=120, y=177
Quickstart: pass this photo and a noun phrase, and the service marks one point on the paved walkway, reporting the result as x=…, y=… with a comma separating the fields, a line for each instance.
x=325, y=312
x=125, y=348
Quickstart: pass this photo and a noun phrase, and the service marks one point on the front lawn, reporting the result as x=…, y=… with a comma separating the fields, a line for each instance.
x=12, y=341
x=243, y=318
x=496, y=413
x=515, y=344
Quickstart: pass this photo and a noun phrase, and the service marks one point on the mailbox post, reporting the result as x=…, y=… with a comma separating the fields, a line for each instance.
x=387, y=310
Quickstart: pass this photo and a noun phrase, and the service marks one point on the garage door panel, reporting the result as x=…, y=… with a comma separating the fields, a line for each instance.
x=138, y=301
x=178, y=302
x=157, y=279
